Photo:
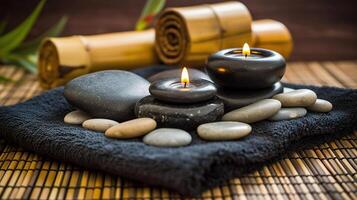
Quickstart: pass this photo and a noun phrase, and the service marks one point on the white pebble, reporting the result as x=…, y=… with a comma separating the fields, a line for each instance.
x=321, y=106
x=223, y=130
x=76, y=117
x=100, y=125
x=288, y=113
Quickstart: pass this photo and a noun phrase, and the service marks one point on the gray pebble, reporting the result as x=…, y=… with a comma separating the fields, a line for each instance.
x=258, y=111
x=109, y=94
x=297, y=98
x=288, y=113
x=168, y=137
x=223, y=130
x=286, y=89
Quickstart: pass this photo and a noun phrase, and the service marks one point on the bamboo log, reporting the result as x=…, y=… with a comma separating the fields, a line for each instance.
x=271, y=34
x=188, y=35
x=184, y=36
x=62, y=59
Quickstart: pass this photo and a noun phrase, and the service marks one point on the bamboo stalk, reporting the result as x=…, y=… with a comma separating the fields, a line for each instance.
x=271, y=34
x=188, y=35
x=62, y=59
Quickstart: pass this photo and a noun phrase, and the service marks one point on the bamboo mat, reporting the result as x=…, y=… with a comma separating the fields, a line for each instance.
x=327, y=171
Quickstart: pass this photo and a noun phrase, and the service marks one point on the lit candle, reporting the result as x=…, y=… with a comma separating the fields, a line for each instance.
x=246, y=68
x=246, y=50
x=183, y=90
x=181, y=102
x=185, y=79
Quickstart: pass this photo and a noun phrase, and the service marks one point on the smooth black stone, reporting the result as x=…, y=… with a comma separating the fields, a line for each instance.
x=194, y=74
x=228, y=70
x=234, y=99
x=182, y=116
x=110, y=94
x=173, y=91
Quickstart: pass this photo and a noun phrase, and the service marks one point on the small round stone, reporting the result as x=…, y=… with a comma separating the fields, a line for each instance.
x=297, y=98
x=234, y=99
x=321, y=106
x=131, y=129
x=194, y=74
x=76, y=117
x=223, y=130
x=173, y=91
x=184, y=116
x=288, y=113
x=255, y=112
x=286, y=89
x=168, y=137
x=100, y=125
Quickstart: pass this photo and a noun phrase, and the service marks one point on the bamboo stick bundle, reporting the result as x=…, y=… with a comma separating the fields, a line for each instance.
x=185, y=35
x=188, y=35
x=271, y=34
x=62, y=59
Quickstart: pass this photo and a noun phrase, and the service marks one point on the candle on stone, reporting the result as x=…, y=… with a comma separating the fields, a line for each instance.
x=175, y=90
x=181, y=102
x=245, y=68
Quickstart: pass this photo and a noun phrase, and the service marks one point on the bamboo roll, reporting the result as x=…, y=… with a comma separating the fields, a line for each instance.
x=188, y=35
x=271, y=34
x=62, y=59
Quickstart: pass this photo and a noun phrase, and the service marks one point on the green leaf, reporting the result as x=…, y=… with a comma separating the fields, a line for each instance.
x=26, y=61
x=12, y=39
x=32, y=46
x=152, y=7
x=2, y=26
x=4, y=79
x=27, y=65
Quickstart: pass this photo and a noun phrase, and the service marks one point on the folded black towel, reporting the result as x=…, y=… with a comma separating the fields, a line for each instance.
x=37, y=125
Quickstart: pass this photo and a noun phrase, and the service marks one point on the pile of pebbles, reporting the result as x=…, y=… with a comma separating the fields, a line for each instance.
x=235, y=124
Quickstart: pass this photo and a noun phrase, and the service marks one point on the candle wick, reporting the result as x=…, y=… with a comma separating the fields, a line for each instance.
x=245, y=55
x=185, y=84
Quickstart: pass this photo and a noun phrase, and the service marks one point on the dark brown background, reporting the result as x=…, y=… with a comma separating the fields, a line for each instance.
x=322, y=29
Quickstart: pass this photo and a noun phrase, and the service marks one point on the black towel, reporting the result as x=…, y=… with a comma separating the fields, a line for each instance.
x=37, y=125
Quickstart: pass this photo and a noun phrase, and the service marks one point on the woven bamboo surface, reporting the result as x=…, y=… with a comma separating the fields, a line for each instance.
x=327, y=171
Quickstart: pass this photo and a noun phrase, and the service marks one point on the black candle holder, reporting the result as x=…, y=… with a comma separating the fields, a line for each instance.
x=173, y=91
x=244, y=78
x=230, y=68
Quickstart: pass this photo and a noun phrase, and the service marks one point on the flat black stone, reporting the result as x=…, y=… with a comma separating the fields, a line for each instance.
x=234, y=99
x=110, y=94
x=183, y=116
x=228, y=70
x=194, y=74
x=173, y=91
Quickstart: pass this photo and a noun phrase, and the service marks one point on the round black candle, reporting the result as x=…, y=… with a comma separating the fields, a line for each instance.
x=243, y=68
x=183, y=91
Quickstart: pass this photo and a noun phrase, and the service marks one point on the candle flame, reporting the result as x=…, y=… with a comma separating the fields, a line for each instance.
x=246, y=50
x=185, y=79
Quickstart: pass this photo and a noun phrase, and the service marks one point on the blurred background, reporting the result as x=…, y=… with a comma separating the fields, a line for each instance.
x=322, y=29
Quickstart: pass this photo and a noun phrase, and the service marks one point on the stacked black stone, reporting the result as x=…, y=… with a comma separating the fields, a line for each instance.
x=176, y=106
x=242, y=80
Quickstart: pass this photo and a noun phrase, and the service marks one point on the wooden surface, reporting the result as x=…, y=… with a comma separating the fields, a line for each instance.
x=322, y=29
x=327, y=171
